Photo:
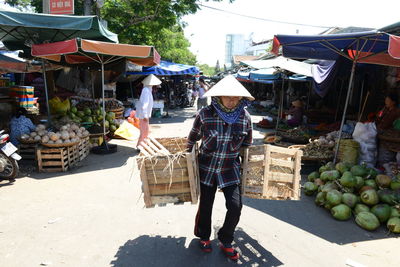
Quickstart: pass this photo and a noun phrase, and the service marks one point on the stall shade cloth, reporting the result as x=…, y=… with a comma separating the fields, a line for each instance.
x=19, y=30
x=280, y=62
x=366, y=47
x=10, y=62
x=166, y=68
x=78, y=51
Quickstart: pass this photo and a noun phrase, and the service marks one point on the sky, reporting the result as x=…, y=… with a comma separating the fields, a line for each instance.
x=206, y=30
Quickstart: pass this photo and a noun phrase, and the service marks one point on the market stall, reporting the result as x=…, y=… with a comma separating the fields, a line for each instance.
x=81, y=51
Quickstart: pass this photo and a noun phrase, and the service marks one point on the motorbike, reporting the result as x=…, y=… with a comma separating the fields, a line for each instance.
x=8, y=158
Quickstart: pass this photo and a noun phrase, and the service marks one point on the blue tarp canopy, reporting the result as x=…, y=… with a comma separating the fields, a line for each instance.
x=366, y=45
x=167, y=68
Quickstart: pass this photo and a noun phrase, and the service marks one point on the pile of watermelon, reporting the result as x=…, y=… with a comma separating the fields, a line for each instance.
x=346, y=190
x=94, y=116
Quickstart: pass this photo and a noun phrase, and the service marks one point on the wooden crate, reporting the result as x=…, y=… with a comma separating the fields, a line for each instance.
x=271, y=172
x=83, y=148
x=170, y=178
x=54, y=159
x=27, y=151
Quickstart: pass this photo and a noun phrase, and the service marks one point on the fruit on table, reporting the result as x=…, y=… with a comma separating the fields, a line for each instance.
x=358, y=170
x=342, y=167
x=387, y=196
x=371, y=183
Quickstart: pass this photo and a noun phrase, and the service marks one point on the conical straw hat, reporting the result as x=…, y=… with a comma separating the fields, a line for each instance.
x=229, y=86
x=151, y=80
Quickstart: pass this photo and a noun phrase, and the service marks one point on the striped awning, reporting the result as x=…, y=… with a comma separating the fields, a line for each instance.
x=166, y=68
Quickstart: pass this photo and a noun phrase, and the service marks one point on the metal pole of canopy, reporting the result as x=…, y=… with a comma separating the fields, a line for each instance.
x=46, y=92
x=280, y=104
x=104, y=106
x=349, y=90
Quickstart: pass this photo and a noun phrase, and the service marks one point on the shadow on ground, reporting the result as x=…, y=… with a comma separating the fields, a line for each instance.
x=171, y=251
x=92, y=162
x=305, y=215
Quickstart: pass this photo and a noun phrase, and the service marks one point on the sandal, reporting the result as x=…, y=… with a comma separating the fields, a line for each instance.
x=205, y=245
x=230, y=252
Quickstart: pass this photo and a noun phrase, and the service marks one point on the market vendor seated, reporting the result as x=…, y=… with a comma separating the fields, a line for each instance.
x=20, y=125
x=296, y=113
x=389, y=113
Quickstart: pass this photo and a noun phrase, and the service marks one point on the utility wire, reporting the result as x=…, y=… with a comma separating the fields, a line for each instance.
x=263, y=19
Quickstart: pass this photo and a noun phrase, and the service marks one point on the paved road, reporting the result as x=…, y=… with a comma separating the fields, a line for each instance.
x=93, y=215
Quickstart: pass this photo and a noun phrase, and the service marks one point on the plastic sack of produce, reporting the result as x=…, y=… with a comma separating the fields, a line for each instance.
x=127, y=131
x=365, y=135
x=349, y=151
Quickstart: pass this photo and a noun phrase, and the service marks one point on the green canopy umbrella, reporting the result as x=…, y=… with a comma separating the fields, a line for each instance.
x=18, y=31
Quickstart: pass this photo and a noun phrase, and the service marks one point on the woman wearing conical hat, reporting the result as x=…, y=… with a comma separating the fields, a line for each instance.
x=145, y=106
x=224, y=127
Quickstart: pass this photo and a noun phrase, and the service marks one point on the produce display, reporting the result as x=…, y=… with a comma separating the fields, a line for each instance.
x=93, y=116
x=299, y=135
x=67, y=134
x=113, y=104
x=70, y=133
x=315, y=150
x=345, y=190
x=334, y=135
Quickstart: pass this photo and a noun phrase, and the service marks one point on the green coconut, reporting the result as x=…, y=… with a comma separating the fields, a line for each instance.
x=395, y=184
x=334, y=197
x=312, y=176
x=371, y=173
x=359, y=182
x=395, y=212
x=360, y=207
x=358, y=170
x=328, y=187
x=383, y=180
x=348, y=180
x=371, y=183
x=387, y=196
x=382, y=212
x=349, y=199
x=320, y=198
x=367, y=221
x=369, y=197
x=330, y=175
x=341, y=212
x=310, y=188
x=342, y=167
x=393, y=224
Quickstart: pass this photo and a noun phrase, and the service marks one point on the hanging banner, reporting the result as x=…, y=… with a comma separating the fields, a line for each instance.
x=61, y=7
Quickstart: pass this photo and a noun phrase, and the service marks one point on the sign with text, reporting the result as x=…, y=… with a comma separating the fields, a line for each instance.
x=61, y=7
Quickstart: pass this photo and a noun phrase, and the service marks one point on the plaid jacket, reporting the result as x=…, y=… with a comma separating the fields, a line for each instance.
x=220, y=146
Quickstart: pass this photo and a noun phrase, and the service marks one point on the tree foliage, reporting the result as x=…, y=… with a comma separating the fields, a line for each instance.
x=206, y=69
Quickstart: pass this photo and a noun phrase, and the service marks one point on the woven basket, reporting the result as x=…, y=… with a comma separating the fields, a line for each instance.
x=27, y=142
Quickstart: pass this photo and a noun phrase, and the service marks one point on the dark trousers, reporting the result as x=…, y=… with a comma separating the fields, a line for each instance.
x=233, y=203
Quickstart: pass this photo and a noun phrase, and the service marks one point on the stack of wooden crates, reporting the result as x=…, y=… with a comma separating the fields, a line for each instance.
x=62, y=158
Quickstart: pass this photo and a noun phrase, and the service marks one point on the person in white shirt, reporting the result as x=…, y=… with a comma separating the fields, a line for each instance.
x=145, y=106
x=203, y=88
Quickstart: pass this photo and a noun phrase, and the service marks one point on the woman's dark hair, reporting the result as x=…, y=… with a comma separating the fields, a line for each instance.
x=202, y=80
x=393, y=97
x=20, y=112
